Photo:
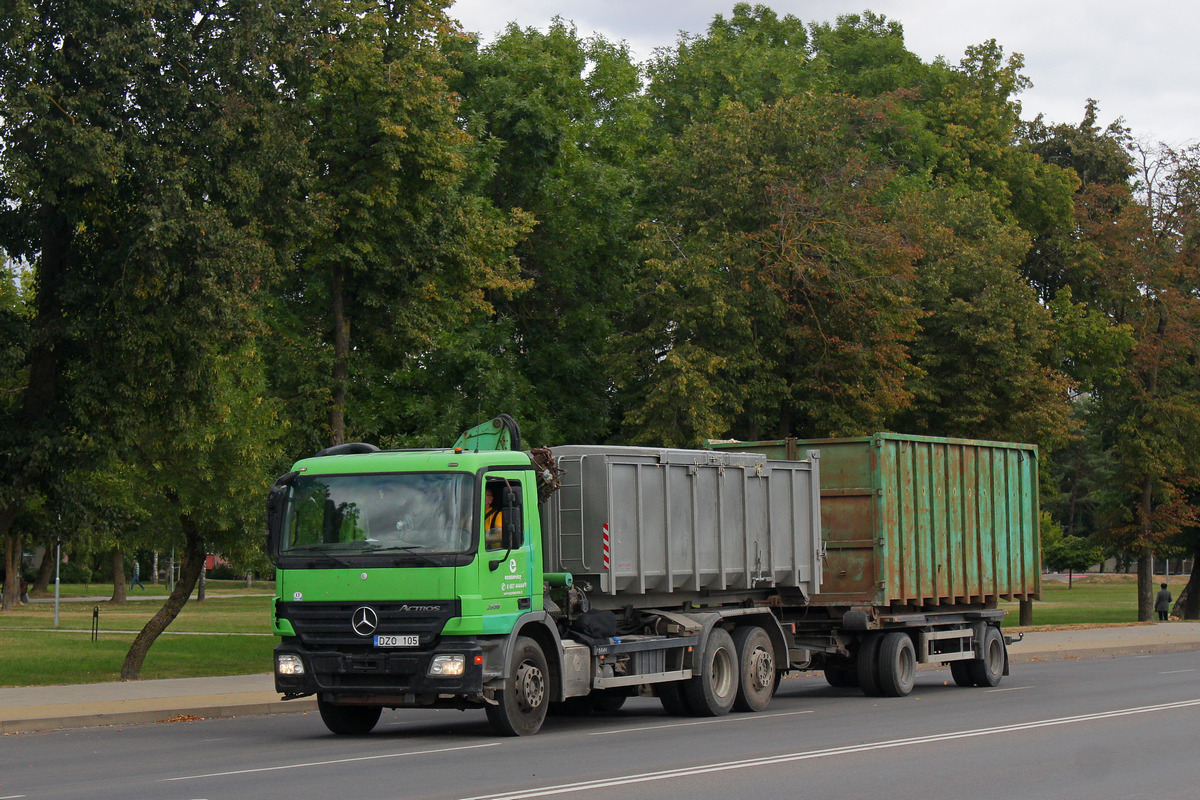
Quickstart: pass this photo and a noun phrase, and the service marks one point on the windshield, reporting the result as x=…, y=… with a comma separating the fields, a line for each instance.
x=399, y=513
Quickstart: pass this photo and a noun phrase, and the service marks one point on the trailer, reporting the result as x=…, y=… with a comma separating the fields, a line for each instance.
x=920, y=535
x=596, y=573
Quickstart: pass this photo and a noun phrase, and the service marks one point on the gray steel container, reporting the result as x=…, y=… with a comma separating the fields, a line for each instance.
x=667, y=525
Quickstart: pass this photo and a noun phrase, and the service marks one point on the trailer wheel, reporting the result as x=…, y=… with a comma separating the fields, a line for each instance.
x=712, y=692
x=961, y=672
x=348, y=720
x=521, y=705
x=988, y=670
x=897, y=664
x=756, y=667
x=842, y=676
x=868, y=664
x=673, y=701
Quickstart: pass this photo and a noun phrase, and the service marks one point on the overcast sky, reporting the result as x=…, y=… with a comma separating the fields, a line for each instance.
x=1139, y=60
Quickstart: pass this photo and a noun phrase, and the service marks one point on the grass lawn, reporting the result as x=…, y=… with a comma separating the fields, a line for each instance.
x=1091, y=600
x=224, y=635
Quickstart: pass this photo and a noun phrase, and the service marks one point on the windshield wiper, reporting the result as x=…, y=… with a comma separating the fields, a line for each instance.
x=407, y=550
x=309, y=550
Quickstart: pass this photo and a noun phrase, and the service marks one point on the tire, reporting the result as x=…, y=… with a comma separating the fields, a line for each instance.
x=571, y=707
x=842, y=676
x=521, y=705
x=607, y=701
x=756, y=669
x=348, y=720
x=712, y=692
x=961, y=672
x=988, y=671
x=868, y=664
x=672, y=698
x=897, y=664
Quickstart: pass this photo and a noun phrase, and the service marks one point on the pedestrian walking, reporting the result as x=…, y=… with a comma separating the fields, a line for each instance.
x=136, y=577
x=1162, y=603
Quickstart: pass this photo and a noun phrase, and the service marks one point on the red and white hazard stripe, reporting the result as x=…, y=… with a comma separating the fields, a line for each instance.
x=606, y=545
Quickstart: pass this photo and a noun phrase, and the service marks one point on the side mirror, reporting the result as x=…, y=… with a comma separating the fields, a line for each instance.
x=512, y=534
x=513, y=531
x=276, y=500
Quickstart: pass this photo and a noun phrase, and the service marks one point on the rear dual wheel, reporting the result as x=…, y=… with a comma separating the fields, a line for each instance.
x=712, y=692
x=757, y=677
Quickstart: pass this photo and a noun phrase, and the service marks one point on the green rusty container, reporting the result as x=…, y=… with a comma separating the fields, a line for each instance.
x=922, y=521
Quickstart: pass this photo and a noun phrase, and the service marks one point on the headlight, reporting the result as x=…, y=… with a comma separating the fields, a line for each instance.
x=288, y=664
x=448, y=665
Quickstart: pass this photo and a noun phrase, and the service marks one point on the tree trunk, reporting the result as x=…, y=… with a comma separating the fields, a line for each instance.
x=200, y=592
x=341, y=359
x=1145, y=574
x=12, y=577
x=1187, y=605
x=154, y=570
x=1026, y=614
x=118, y=595
x=193, y=563
x=1146, y=556
x=45, y=572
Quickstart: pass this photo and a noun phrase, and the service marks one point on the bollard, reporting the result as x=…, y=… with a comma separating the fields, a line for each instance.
x=95, y=623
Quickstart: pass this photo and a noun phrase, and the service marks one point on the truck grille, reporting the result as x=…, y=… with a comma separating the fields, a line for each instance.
x=331, y=624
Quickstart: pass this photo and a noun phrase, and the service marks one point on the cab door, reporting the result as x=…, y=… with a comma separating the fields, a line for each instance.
x=510, y=570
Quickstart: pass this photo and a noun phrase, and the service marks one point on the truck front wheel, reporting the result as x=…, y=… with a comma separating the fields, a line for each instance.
x=756, y=667
x=711, y=693
x=348, y=720
x=521, y=705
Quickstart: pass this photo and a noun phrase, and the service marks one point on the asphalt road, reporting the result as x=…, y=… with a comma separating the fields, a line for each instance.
x=1056, y=730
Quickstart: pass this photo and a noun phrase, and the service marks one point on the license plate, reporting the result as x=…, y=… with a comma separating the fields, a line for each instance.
x=397, y=641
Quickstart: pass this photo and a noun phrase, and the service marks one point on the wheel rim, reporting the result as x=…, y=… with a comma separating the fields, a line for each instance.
x=531, y=686
x=722, y=673
x=762, y=668
x=906, y=668
x=995, y=656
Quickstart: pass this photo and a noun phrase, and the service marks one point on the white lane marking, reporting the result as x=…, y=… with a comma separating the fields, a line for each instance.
x=12, y=796
x=738, y=718
x=1007, y=689
x=749, y=763
x=304, y=764
x=1176, y=671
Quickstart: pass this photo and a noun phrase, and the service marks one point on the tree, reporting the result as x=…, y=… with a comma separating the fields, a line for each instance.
x=1150, y=413
x=1066, y=553
x=776, y=295
x=986, y=353
x=753, y=58
x=564, y=124
x=400, y=249
x=150, y=175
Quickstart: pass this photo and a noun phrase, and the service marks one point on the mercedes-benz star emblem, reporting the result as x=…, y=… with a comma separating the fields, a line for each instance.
x=364, y=620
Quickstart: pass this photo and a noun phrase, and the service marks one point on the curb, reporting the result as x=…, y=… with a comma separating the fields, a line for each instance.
x=163, y=712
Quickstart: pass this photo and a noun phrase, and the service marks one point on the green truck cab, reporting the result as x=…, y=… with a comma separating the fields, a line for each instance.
x=392, y=589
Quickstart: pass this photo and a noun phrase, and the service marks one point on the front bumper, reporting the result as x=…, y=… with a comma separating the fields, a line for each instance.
x=390, y=677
